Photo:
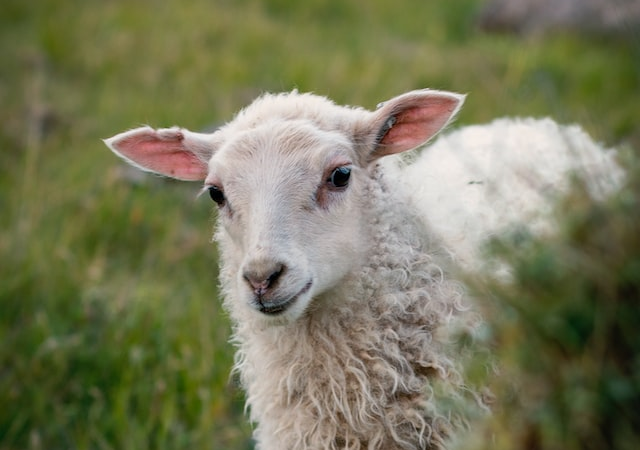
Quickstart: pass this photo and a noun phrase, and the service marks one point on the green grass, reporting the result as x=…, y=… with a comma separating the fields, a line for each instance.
x=564, y=331
x=111, y=330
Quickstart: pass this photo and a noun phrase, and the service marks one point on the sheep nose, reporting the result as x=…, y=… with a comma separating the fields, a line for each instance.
x=262, y=280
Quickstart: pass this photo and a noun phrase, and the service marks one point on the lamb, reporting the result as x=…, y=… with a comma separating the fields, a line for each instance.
x=332, y=265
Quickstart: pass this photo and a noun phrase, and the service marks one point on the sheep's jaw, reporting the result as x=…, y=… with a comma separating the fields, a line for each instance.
x=278, y=306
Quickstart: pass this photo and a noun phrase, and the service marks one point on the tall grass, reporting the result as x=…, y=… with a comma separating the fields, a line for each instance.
x=111, y=331
x=564, y=330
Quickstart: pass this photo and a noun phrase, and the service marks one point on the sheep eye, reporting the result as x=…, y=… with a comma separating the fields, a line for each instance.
x=340, y=177
x=216, y=195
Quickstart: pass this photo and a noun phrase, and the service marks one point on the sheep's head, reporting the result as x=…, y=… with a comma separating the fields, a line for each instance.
x=287, y=176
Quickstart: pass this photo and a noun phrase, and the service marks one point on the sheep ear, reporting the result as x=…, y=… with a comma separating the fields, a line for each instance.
x=174, y=152
x=410, y=120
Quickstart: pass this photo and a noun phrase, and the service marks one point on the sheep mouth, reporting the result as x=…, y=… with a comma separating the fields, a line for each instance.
x=274, y=308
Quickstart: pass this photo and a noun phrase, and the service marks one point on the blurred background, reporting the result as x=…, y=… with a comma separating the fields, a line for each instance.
x=111, y=330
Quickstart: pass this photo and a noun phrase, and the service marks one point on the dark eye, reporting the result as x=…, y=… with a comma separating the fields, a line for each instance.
x=216, y=195
x=340, y=177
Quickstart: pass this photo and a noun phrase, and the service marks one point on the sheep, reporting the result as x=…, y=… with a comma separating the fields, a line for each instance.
x=333, y=258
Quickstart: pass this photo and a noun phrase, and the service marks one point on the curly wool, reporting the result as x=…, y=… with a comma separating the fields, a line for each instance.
x=357, y=371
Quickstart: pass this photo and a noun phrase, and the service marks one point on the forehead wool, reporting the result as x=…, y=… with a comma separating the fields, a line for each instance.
x=288, y=149
x=319, y=111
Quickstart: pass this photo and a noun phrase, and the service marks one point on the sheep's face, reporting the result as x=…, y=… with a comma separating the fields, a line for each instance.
x=288, y=174
x=289, y=214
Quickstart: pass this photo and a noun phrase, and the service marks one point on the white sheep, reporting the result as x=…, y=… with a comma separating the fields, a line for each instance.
x=329, y=259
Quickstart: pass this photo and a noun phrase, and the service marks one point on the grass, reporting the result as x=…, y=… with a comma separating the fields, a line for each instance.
x=564, y=330
x=111, y=330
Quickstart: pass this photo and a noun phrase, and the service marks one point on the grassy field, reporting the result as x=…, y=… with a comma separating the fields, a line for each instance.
x=111, y=330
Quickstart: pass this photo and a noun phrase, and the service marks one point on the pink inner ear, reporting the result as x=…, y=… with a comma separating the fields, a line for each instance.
x=416, y=123
x=162, y=152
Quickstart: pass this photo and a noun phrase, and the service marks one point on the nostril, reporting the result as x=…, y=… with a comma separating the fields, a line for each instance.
x=275, y=275
x=262, y=281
